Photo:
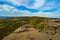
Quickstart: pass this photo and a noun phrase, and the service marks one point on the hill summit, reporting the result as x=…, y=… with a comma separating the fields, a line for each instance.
x=29, y=32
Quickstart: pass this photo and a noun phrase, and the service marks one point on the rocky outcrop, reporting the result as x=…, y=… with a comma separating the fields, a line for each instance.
x=29, y=32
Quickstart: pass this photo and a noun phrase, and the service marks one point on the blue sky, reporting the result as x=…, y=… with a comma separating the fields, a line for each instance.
x=43, y=8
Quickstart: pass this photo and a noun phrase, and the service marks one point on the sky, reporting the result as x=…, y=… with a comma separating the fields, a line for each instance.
x=40, y=8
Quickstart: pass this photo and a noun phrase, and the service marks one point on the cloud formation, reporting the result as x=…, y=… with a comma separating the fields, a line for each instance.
x=32, y=7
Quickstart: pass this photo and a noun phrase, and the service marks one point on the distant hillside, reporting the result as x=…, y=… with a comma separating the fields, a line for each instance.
x=50, y=31
x=8, y=25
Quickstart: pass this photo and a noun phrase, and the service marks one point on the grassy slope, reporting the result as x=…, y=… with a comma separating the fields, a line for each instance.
x=7, y=26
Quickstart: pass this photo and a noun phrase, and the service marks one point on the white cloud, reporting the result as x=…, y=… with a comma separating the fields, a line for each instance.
x=6, y=7
x=52, y=4
x=14, y=2
x=27, y=13
x=36, y=4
